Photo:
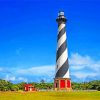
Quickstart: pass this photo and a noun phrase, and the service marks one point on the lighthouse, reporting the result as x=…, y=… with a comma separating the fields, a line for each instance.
x=62, y=78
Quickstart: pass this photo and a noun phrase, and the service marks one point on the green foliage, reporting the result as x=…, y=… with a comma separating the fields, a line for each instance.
x=21, y=85
x=5, y=85
x=14, y=87
x=92, y=85
x=43, y=85
x=8, y=86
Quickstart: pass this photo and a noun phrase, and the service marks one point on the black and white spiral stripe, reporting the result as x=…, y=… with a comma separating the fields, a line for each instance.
x=62, y=67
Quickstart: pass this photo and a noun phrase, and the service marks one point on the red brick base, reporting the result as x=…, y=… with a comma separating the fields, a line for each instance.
x=62, y=84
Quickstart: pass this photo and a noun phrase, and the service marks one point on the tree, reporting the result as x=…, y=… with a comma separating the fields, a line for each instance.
x=21, y=85
x=14, y=87
x=5, y=85
x=42, y=81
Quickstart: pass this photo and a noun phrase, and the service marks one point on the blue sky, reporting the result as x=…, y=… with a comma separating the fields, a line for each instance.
x=28, y=35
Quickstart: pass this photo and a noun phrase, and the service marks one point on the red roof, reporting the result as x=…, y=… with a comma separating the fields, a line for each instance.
x=28, y=85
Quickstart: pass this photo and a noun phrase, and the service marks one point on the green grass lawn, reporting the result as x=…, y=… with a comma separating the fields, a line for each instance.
x=50, y=95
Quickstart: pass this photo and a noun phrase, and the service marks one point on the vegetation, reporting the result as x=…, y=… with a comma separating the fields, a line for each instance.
x=50, y=95
x=8, y=86
x=92, y=85
x=43, y=85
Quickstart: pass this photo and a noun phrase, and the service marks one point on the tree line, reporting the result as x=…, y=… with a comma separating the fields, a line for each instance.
x=8, y=86
x=92, y=85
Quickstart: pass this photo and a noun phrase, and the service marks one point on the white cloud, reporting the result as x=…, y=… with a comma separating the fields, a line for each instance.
x=38, y=73
x=78, y=61
x=1, y=69
x=83, y=75
x=38, y=70
x=10, y=78
x=14, y=78
x=83, y=67
x=22, y=79
x=29, y=74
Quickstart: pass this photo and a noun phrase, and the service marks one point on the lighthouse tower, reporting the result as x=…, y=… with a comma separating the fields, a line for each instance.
x=62, y=79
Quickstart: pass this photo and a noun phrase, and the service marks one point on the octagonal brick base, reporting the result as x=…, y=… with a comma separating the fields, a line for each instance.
x=62, y=84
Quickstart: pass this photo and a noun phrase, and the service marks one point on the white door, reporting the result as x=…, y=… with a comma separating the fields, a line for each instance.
x=30, y=89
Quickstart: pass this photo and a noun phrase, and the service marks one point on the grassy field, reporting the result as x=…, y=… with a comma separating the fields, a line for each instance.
x=49, y=95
